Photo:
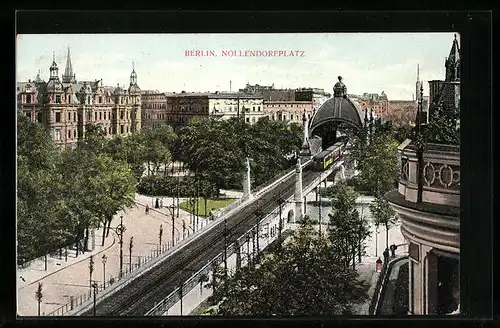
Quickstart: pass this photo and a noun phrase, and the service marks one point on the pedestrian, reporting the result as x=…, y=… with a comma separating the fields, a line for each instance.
x=386, y=254
x=147, y=209
x=157, y=204
x=393, y=250
x=161, y=203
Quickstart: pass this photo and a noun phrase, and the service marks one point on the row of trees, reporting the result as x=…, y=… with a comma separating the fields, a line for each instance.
x=61, y=195
x=306, y=276
x=216, y=150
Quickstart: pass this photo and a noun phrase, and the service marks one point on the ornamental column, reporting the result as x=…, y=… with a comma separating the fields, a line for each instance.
x=298, y=195
x=247, y=191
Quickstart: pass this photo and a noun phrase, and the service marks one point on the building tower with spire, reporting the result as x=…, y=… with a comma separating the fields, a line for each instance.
x=418, y=84
x=447, y=93
x=68, y=76
x=54, y=70
x=133, y=88
x=452, y=63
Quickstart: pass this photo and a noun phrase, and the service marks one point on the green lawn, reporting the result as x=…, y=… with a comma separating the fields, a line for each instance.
x=211, y=203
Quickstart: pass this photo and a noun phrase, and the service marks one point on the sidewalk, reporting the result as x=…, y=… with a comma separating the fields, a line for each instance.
x=72, y=278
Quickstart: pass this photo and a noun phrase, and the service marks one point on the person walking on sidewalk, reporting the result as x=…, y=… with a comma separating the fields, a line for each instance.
x=147, y=209
x=386, y=255
x=393, y=250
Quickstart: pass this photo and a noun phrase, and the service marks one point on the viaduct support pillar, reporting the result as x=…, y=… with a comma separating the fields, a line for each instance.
x=247, y=190
x=298, y=195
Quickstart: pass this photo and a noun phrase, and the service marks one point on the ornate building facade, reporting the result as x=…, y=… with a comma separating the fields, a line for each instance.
x=225, y=105
x=291, y=111
x=65, y=106
x=154, y=108
x=428, y=203
x=182, y=107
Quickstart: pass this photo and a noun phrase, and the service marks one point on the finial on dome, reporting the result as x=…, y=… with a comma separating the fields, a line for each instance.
x=455, y=35
x=339, y=89
x=133, y=67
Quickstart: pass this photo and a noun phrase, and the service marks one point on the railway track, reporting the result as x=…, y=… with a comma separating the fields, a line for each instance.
x=141, y=294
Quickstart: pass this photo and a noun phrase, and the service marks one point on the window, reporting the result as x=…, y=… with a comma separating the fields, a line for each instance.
x=104, y=115
x=58, y=117
x=95, y=116
x=258, y=108
x=100, y=115
x=58, y=99
x=88, y=100
x=28, y=99
x=40, y=117
x=69, y=116
x=74, y=116
x=121, y=129
x=253, y=109
x=57, y=133
x=248, y=119
x=100, y=99
x=69, y=99
x=253, y=119
x=122, y=114
x=74, y=133
x=69, y=134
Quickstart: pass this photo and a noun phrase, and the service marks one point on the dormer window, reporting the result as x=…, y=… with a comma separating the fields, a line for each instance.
x=28, y=99
x=58, y=99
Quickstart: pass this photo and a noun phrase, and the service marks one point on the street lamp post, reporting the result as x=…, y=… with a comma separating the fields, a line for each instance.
x=120, y=230
x=161, y=233
x=91, y=270
x=94, y=285
x=171, y=209
x=131, y=245
x=225, y=246
x=104, y=259
x=248, y=249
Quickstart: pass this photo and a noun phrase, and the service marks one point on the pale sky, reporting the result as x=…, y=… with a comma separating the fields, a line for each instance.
x=368, y=62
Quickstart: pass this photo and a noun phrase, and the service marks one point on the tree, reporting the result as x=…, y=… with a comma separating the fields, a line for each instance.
x=377, y=162
x=114, y=181
x=443, y=126
x=95, y=138
x=402, y=132
x=346, y=229
x=307, y=279
x=383, y=214
x=41, y=222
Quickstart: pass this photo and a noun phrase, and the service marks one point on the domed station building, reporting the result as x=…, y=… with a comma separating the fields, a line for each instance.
x=428, y=198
